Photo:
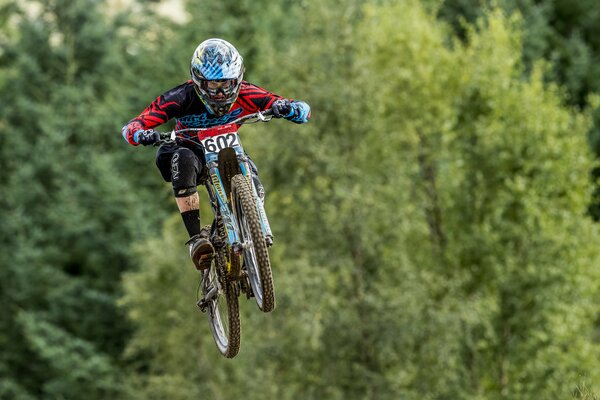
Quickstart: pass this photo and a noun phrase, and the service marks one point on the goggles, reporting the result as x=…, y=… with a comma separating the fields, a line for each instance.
x=213, y=88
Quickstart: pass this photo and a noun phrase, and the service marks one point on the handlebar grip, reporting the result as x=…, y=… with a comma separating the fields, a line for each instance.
x=268, y=111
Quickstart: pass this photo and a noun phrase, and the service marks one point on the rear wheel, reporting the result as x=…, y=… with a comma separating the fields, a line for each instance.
x=222, y=307
x=256, y=256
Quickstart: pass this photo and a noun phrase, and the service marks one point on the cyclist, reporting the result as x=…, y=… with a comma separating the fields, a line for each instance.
x=216, y=95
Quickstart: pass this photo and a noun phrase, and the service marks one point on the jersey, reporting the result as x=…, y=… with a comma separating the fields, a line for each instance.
x=184, y=104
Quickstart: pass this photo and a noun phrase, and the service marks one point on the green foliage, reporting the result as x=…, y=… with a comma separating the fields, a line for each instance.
x=508, y=176
x=67, y=207
x=563, y=32
x=75, y=366
x=584, y=392
x=11, y=390
x=431, y=240
x=431, y=237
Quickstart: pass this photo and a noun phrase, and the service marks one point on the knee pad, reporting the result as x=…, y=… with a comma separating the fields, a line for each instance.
x=185, y=167
x=184, y=192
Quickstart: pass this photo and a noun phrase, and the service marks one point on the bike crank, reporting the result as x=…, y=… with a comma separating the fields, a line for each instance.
x=204, y=302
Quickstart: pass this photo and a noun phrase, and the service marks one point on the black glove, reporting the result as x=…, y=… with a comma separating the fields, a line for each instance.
x=282, y=108
x=147, y=137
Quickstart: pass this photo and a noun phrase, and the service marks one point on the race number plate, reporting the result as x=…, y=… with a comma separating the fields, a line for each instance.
x=216, y=139
x=215, y=144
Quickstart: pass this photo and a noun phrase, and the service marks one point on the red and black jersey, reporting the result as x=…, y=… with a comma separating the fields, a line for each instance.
x=184, y=104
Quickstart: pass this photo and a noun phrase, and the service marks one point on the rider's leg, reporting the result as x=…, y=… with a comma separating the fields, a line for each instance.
x=185, y=167
x=189, y=207
x=184, y=170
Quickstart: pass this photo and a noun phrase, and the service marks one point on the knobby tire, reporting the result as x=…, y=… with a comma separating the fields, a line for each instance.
x=246, y=211
x=230, y=295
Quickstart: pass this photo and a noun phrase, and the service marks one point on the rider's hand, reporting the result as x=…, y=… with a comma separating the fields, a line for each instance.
x=147, y=137
x=282, y=108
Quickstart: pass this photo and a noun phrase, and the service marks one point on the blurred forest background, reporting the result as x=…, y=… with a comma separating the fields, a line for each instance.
x=434, y=221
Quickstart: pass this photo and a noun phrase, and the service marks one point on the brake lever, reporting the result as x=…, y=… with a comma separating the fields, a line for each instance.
x=171, y=139
x=264, y=118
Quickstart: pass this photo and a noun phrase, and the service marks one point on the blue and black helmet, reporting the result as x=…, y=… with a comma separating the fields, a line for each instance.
x=217, y=70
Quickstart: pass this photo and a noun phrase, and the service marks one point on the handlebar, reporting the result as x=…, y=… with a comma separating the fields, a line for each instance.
x=261, y=116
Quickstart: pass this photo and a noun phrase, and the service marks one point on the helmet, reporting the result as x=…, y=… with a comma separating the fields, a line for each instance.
x=217, y=70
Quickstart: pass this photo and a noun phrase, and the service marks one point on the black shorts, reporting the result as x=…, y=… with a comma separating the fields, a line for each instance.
x=189, y=166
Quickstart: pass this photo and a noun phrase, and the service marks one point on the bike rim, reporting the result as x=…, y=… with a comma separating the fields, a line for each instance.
x=250, y=260
x=218, y=308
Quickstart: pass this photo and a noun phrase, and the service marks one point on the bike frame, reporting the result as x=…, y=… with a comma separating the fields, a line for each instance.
x=215, y=186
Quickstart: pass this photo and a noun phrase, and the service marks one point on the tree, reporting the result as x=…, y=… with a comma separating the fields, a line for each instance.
x=503, y=152
x=561, y=32
x=68, y=211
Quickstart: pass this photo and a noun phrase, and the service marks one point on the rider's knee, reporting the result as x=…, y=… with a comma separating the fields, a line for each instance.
x=184, y=192
x=184, y=172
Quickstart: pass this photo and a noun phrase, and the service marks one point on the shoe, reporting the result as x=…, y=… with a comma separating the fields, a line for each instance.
x=201, y=250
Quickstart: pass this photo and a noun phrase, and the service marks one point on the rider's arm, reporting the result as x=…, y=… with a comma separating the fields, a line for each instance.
x=262, y=100
x=165, y=107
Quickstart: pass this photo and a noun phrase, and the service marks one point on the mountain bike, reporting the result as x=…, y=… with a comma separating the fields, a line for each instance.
x=240, y=232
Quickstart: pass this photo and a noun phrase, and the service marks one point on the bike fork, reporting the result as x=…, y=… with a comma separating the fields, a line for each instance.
x=263, y=218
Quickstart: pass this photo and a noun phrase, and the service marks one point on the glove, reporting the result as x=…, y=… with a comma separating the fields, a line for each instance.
x=282, y=108
x=146, y=137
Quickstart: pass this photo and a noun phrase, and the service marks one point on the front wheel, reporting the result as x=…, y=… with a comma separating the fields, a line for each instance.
x=222, y=307
x=256, y=256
